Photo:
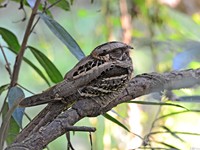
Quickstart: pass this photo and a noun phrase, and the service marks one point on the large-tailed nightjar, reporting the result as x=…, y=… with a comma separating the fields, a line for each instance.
x=100, y=77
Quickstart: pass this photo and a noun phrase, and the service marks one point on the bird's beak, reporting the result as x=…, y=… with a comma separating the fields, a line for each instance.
x=130, y=47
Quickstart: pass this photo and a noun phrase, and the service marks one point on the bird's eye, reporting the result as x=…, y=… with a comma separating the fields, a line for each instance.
x=103, y=53
x=116, y=53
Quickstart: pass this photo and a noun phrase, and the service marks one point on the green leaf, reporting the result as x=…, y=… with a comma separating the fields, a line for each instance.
x=6, y=128
x=172, y=133
x=10, y=39
x=176, y=132
x=187, y=133
x=3, y=88
x=64, y=4
x=47, y=11
x=14, y=94
x=14, y=46
x=63, y=35
x=107, y=116
x=13, y=129
x=191, y=99
x=37, y=70
x=34, y=67
x=168, y=145
x=156, y=103
x=176, y=113
x=49, y=67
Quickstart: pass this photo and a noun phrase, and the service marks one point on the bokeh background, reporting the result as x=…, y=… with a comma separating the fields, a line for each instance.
x=165, y=35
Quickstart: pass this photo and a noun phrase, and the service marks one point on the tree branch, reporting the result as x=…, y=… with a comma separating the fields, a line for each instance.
x=140, y=85
x=20, y=55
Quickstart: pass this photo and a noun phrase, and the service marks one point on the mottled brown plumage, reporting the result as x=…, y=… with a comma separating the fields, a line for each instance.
x=103, y=73
x=101, y=77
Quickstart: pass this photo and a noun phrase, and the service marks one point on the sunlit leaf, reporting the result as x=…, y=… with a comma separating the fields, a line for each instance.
x=10, y=39
x=34, y=67
x=156, y=103
x=107, y=116
x=49, y=67
x=168, y=145
x=176, y=132
x=64, y=36
x=176, y=113
x=172, y=133
x=3, y=88
x=14, y=94
x=64, y=4
x=188, y=133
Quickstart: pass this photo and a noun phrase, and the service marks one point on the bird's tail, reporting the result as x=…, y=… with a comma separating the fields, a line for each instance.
x=34, y=100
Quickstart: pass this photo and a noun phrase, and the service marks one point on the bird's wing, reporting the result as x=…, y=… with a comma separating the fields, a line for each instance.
x=83, y=73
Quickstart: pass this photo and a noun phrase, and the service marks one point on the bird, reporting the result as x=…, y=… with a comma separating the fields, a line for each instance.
x=104, y=73
x=101, y=77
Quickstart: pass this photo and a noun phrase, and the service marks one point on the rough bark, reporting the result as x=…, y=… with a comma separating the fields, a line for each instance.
x=140, y=85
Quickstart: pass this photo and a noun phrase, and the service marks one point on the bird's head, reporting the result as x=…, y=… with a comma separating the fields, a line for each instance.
x=112, y=51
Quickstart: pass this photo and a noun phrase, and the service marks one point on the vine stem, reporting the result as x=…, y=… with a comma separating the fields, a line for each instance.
x=20, y=55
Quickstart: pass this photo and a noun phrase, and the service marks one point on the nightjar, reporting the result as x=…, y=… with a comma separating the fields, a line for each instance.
x=101, y=77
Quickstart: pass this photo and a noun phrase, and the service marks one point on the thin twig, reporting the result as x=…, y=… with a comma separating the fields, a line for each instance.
x=146, y=138
x=7, y=63
x=27, y=116
x=38, y=19
x=53, y=4
x=153, y=123
x=23, y=45
x=90, y=136
x=25, y=15
x=25, y=88
x=81, y=128
x=69, y=146
x=4, y=103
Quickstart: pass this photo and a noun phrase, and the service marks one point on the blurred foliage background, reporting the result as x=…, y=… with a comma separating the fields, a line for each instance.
x=165, y=37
